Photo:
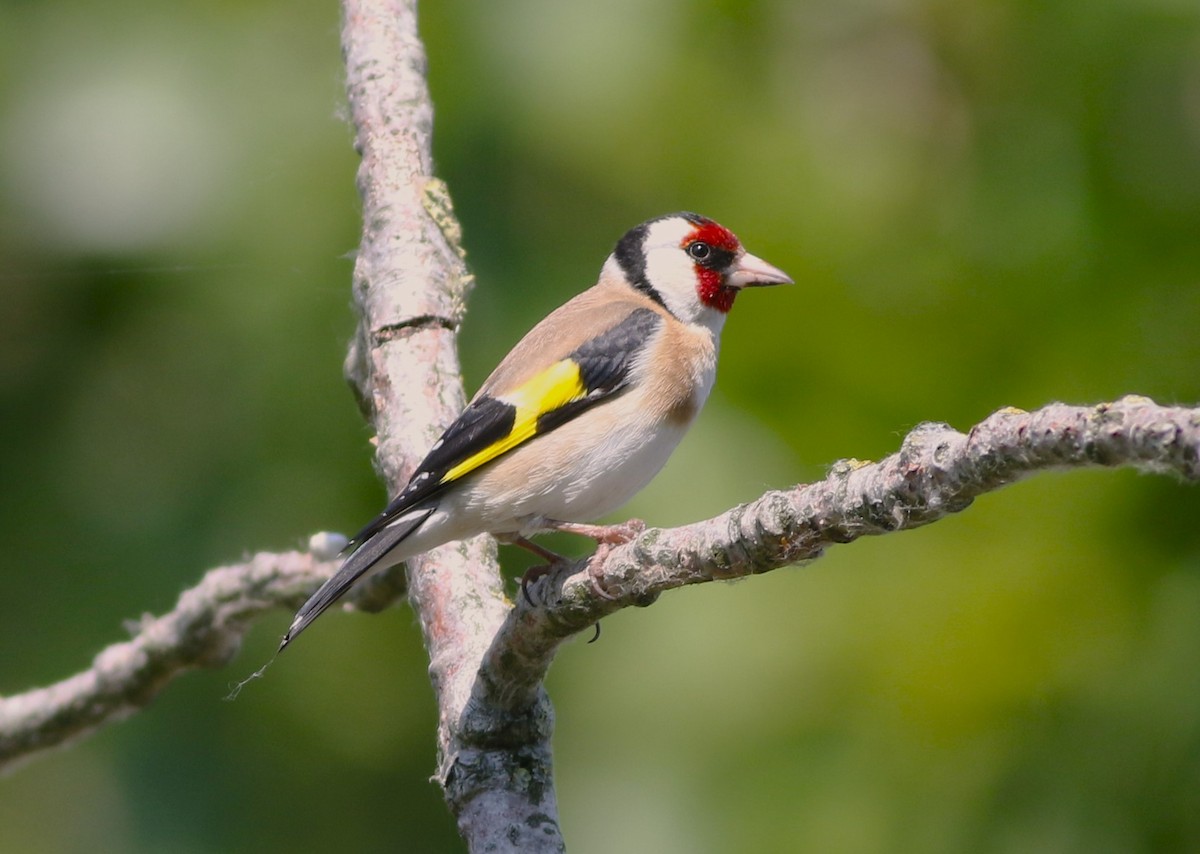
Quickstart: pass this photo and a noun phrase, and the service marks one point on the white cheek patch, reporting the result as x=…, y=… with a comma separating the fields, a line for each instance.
x=668, y=268
x=670, y=272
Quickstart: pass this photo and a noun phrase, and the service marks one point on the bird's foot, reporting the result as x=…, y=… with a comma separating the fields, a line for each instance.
x=607, y=538
x=534, y=572
x=595, y=562
x=531, y=575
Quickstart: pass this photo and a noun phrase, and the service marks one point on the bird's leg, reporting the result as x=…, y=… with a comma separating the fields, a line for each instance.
x=529, y=545
x=607, y=537
x=534, y=572
x=610, y=535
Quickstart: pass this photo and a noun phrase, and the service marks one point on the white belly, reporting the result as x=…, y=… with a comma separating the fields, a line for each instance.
x=594, y=482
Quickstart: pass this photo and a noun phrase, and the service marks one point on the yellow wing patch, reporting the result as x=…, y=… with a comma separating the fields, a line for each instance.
x=554, y=387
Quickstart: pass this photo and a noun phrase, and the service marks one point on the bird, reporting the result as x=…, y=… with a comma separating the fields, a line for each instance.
x=580, y=415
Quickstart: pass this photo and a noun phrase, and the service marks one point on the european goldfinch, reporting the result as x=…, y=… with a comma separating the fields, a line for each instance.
x=581, y=414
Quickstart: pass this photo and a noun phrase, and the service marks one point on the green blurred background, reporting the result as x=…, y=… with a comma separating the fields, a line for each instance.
x=983, y=203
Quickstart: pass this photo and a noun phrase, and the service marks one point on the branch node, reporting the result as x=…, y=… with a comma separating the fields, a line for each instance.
x=409, y=327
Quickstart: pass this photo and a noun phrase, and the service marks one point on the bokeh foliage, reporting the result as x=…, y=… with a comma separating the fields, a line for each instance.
x=984, y=203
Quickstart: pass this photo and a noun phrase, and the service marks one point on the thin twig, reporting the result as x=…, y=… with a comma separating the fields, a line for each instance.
x=204, y=629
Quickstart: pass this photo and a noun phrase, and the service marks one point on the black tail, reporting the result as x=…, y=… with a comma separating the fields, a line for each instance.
x=361, y=559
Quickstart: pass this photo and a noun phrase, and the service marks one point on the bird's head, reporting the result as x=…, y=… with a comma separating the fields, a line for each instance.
x=690, y=264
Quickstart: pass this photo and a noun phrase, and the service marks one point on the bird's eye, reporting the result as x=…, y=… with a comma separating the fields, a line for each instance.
x=699, y=250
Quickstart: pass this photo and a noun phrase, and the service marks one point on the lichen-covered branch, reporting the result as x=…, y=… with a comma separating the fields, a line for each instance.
x=409, y=283
x=204, y=629
x=936, y=472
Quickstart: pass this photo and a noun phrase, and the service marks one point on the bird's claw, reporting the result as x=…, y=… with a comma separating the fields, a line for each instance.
x=532, y=574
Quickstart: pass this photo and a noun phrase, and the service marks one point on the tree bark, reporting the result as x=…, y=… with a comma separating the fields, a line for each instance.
x=409, y=284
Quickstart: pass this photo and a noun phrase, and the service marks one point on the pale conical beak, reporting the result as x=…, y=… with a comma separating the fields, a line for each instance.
x=750, y=271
